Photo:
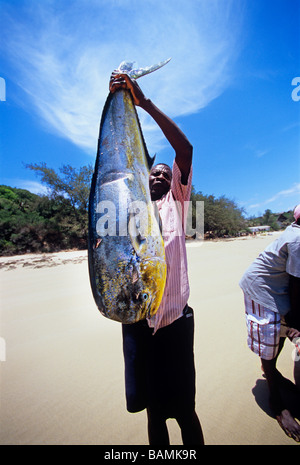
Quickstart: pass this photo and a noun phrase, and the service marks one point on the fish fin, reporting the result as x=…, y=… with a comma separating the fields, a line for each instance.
x=150, y=160
x=127, y=67
x=136, y=237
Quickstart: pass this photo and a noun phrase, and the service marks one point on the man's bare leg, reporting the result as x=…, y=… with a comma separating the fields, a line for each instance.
x=284, y=417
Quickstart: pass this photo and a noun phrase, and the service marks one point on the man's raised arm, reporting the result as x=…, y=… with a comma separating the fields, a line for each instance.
x=181, y=145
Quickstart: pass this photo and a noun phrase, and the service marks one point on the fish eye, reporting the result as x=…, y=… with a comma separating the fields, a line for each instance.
x=145, y=296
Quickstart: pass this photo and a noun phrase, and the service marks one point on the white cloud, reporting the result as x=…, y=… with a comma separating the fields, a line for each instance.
x=290, y=196
x=295, y=189
x=261, y=152
x=63, y=57
x=32, y=186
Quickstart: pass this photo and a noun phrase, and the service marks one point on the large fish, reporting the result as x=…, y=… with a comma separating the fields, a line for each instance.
x=125, y=248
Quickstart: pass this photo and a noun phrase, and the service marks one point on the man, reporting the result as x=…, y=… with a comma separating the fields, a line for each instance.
x=271, y=288
x=158, y=352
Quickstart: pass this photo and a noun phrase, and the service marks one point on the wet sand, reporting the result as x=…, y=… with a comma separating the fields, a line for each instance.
x=62, y=367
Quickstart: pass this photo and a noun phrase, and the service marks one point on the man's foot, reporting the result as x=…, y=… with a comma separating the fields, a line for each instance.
x=289, y=425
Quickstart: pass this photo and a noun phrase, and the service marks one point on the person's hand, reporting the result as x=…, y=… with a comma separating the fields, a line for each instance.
x=123, y=81
x=293, y=333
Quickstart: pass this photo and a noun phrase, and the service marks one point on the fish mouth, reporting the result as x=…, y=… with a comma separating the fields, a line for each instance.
x=132, y=307
x=135, y=299
x=129, y=301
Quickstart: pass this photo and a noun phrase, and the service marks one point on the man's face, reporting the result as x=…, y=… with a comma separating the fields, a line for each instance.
x=159, y=181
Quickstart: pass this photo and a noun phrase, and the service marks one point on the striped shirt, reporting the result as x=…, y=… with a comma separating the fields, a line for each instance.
x=177, y=289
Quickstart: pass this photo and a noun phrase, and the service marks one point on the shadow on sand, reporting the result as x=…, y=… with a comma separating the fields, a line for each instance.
x=40, y=262
x=290, y=394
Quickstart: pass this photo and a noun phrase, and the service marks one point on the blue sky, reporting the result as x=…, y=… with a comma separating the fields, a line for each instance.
x=228, y=86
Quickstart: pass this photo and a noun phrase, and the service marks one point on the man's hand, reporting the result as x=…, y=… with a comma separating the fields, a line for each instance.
x=123, y=81
x=177, y=139
x=292, y=333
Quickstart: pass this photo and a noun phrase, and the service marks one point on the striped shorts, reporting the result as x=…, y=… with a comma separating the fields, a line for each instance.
x=265, y=328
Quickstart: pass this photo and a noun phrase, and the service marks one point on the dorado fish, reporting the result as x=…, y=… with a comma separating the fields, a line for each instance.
x=125, y=247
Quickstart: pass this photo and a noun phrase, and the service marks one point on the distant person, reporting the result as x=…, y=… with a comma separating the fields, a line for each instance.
x=159, y=352
x=271, y=288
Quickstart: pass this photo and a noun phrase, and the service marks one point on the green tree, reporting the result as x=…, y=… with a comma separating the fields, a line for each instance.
x=71, y=183
x=267, y=217
x=32, y=223
x=221, y=215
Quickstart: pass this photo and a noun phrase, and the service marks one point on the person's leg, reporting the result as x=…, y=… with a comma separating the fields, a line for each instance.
x=297, y=372
x=265, y=331
x=171, y=386
x=135, y=339
x=284, y=417
x=180, y=378
x=157, y=429
x=273, y=378
x=191, y=431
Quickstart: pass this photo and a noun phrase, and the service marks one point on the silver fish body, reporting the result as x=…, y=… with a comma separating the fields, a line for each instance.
x=125, y=248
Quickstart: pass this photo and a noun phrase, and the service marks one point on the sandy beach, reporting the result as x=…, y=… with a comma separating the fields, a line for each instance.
x=62, y=367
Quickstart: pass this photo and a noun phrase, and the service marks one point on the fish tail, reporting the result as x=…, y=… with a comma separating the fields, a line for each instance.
x=135, y=73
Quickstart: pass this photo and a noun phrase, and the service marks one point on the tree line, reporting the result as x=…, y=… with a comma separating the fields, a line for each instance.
x=31, y=223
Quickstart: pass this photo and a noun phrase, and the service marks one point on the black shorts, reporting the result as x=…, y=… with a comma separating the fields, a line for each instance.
x=159, y=368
